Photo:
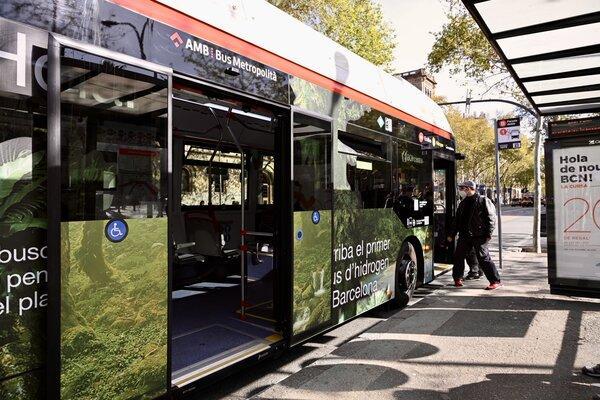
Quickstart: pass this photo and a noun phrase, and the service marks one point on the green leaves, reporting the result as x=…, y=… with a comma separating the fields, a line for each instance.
x=13, y=171
x=22, y=202
x=475, y=138
x=355, y=24
x=462, y=47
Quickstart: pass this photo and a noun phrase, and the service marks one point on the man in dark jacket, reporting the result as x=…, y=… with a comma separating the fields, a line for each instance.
x=475, y=223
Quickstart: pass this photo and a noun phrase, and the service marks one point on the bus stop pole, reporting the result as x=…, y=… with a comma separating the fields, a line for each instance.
x=498, y=205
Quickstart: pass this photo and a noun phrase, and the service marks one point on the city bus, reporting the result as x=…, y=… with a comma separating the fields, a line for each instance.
x=187, y=188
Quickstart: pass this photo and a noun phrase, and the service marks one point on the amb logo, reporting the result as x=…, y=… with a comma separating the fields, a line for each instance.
x=176, y=39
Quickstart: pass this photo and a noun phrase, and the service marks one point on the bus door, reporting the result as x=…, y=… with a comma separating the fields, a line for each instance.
x=108, y=185
x=227, y=215
x=444, y=206
x=312, y=225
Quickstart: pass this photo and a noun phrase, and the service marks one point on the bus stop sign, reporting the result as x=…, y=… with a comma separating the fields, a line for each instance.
x=509, y=133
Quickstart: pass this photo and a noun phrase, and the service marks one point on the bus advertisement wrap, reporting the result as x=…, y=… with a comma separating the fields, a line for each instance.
x=23, y=250
x=366, y=244
x=358, y=274
x=577, y=212
x=23, y=275
x=312, y=271
x=109, y=288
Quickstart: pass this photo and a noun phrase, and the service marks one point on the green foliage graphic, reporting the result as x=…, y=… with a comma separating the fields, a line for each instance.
x=312, y=271
x=357, y=25
x=22, y=226
x=114, y=311
x=352, y=225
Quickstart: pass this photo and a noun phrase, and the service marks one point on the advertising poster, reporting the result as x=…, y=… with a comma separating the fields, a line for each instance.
x=577, y=212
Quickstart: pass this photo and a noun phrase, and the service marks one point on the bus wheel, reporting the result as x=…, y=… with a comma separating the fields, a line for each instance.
x=407, y=270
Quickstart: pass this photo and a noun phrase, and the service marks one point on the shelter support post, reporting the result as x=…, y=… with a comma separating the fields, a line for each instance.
x=537, y=248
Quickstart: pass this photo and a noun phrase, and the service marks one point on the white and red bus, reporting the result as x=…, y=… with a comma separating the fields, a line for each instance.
x=190, y=187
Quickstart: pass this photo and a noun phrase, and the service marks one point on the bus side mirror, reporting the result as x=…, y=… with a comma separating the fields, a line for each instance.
x=459, y=156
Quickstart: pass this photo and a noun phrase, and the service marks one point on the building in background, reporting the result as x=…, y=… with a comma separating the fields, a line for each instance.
x=421, y=79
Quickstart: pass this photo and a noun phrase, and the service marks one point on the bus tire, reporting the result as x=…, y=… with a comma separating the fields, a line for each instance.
x=407, y=270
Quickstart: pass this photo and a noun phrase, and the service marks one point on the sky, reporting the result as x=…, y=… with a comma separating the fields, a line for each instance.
x=415, y=21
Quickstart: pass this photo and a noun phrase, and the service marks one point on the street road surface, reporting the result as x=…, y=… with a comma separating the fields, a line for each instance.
x=517, y=229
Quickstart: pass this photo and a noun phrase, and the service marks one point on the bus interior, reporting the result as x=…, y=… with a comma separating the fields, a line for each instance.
x=225, y=172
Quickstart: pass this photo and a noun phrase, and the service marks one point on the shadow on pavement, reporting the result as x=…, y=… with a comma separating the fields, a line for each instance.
x=509, y=387
x=347, y=377
x=385, y=350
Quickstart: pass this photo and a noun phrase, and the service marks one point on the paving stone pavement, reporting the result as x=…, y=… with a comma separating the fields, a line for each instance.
x=518, y=342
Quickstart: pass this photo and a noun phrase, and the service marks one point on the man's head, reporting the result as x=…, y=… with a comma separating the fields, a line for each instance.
x=466, y=189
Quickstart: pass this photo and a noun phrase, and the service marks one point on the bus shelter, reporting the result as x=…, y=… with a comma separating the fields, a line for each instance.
x=552, y=50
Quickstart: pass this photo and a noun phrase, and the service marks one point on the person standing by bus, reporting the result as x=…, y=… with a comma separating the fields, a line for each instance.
x=474, y=271
x=475, y=222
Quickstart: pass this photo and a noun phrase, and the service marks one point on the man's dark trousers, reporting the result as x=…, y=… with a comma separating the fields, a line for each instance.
x=482, y=252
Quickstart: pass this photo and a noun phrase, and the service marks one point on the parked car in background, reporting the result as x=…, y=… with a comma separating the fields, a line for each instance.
x=515, y=202
x=527, y=200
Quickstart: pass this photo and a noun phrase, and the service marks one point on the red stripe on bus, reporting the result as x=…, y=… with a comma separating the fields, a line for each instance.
x=178, y=20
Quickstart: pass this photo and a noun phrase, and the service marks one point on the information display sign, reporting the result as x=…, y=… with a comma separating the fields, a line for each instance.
x=574, y=127
x=576, y=174
x=509, y=133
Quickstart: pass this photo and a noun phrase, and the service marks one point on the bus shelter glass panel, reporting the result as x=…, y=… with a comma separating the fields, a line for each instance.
x=114, y=247
x=312, y=190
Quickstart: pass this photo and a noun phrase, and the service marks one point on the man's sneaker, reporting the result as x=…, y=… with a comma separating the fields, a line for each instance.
x=472, y=276
x=458, y=283
x=494, y=285
x=592, y=371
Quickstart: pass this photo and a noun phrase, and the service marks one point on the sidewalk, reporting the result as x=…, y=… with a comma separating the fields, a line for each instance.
x=518, y=342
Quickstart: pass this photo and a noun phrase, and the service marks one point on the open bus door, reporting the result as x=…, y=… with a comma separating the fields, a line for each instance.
x=444, y=177
x=227, y=215
x=108, y=188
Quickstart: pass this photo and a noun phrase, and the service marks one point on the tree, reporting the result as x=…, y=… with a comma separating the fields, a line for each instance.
x=462, y=46
x=475, y=139
x=355, y=24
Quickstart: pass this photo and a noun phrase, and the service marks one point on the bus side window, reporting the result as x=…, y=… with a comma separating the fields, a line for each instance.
x=312, y=166
x=367, y=171
x=414, y=203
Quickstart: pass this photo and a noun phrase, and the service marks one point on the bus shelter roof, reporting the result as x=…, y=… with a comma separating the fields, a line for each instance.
x=550, y=47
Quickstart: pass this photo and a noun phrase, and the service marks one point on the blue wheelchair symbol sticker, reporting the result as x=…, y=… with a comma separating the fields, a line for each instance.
x=299, y=234
x=316, y=217
x=116, y=230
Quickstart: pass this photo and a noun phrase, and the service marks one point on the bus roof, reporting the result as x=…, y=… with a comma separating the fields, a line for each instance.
x=269, y=35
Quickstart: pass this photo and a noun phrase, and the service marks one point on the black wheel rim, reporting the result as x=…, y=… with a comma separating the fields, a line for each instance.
x=410, y=276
